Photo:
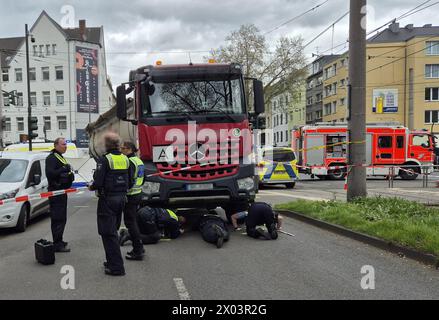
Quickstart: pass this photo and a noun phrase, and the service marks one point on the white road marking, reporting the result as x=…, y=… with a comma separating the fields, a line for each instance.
x=296, y=196
x=181, y=288
x=82, y=206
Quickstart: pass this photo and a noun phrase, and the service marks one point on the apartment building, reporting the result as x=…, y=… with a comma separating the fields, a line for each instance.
x=402, y=78
x=68, y=80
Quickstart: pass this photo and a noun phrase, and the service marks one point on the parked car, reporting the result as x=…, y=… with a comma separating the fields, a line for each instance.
x=22, y=174
x=277, y=165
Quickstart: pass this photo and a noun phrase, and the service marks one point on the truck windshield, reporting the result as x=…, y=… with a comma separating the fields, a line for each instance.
x=196, y=97
x=12, y=170
x=421, y=140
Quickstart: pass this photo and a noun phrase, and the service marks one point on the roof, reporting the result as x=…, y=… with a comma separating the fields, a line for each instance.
x=23, y=155
x=7, y=48
x=395, y=33
x=92, y=35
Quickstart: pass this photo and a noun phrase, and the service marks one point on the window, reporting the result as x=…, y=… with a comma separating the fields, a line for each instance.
x=62, y=122
x=432, y=70
x=59, y=73
x=342, y=101
x=334, y=107
x=400, y=142
x=45, y=72
x=431, y=116
x=318, y=114
x=18, y=75
x=20, y=99
x=48, y=50
x=47, y=123
x=35, y=51
x=342, y=82
x=32, y=74
x=41, y=50
x=319, y=97
x=286, y=136
x=385, y=142
x=309, y=101
x=8, y=124
x=5, y=99
x=421, y=140
x=281, y=136
x=20, y=124
x=33, y=99
x=431, y=94
x=5, y=75
x=327, y=109
x=309, y=117
x=46, y=98
x=281, y=119
x=54, y=49
x=432, y=48
x=60, y=98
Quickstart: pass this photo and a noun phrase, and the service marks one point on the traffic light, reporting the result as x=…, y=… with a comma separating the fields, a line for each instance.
x=33, y=126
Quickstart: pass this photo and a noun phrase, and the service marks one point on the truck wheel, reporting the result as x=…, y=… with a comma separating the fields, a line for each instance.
x=290, y=185
x=23, y=219
x=405, y=175
x=337, y=174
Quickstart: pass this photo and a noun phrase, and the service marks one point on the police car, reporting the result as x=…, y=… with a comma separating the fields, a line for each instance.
x=277, y=165
x=22, y=174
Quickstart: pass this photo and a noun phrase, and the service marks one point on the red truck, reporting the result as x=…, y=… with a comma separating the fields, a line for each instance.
x=193, y=132
x=322, y=150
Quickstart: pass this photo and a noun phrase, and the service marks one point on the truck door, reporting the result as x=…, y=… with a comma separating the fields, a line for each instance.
x=399, y=151
x=314, y=150
x=421, y=147
x=384, y=144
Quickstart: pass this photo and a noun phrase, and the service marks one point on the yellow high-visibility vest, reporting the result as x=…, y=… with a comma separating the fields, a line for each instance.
x=138, y=176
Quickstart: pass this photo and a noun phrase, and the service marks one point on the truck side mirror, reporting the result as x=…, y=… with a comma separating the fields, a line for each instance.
x=121, y=102
x=36, y=180
x=258, y=89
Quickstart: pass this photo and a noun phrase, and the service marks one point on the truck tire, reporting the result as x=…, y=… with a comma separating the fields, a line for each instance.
x=23, y=219
x=337, y=174
x=409, y=176
x=290, y=185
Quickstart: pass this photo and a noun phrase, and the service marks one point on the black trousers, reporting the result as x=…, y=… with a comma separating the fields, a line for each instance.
x=211, y=227
x=130, y=220
x=258, y=215
x=109, y=217
x=58, y=217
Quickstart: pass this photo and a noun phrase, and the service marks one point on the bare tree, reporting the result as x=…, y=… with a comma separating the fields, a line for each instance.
x=282, y=70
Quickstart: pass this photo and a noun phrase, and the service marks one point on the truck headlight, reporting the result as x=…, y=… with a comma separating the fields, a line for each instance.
x=151, y=187
x=9, y=195
x=246, y=183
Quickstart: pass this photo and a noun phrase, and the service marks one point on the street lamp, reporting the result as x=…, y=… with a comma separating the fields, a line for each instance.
x=29, y=109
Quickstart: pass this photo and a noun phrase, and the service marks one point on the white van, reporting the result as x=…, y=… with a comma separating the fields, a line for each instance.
x=22, y=174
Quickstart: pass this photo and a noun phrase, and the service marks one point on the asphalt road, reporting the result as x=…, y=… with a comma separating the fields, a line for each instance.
x=311, y=264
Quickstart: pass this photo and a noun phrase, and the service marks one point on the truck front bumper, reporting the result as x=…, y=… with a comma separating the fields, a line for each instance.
x=169, y=193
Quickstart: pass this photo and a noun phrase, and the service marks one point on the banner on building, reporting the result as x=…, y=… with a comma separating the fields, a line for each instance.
x=82, y=139
x=385, y=101
x=87, y=80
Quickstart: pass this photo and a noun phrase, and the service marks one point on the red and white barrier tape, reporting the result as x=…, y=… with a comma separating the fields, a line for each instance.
x=44, y=195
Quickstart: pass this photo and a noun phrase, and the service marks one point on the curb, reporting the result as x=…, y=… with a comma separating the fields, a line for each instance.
x=389, y=246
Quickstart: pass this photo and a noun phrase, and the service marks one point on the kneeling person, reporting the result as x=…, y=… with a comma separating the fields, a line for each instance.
x=261, y=213
x=214, y=230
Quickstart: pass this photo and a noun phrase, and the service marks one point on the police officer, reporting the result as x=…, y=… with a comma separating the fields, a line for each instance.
x=261, y=213
x=213, y=229
x=134, y=199
x=112, y=179
x=60, y=176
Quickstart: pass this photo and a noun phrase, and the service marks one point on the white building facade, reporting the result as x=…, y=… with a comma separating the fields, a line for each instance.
x=280, y=119
x=69, y=86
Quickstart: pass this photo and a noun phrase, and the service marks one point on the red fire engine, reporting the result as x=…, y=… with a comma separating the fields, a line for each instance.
x=322, y=150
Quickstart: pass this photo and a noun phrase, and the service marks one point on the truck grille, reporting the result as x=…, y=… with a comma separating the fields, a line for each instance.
x=222, y=159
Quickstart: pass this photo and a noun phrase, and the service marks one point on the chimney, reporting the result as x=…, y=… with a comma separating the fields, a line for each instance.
x=394, y=27
x=409, y=27
x=83, y=29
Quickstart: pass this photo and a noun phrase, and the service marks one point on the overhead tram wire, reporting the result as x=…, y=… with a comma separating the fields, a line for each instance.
x=403, y=16
x=295, y=18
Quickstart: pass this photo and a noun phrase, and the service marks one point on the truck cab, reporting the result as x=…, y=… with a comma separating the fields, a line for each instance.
x=193, y=132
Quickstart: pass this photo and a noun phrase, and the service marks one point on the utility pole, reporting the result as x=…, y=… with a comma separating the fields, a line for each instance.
x=29, y=108
x=357, y=102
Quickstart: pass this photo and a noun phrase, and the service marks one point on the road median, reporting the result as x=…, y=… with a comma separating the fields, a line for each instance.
x=407, y=228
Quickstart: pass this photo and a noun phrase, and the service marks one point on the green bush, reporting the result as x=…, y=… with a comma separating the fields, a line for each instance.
x=404, y=222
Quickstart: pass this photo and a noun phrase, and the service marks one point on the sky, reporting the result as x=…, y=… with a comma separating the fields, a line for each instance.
x=140, y=32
